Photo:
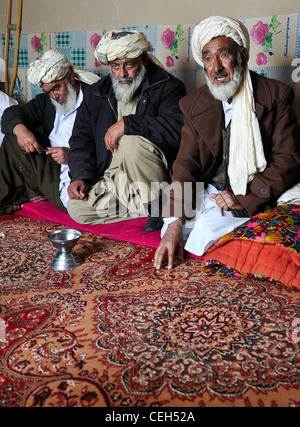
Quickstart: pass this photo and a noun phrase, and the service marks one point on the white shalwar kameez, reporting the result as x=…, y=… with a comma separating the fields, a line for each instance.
x=59, y=137
x=210, y=222
x=5, y=102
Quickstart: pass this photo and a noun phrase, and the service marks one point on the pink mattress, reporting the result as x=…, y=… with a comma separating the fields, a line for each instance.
x=129, y=231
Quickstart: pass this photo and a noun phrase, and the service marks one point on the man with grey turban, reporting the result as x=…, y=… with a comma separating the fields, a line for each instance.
x=34, y=163
x=240, y=139
x=126, y=136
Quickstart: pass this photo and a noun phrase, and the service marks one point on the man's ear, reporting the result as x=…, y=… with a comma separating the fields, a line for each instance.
x=71, y=77
x=245, y=56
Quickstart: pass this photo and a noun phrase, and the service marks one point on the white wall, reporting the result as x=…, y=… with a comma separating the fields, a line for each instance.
x=80, y=15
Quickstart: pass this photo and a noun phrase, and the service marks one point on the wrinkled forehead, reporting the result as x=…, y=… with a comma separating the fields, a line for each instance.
x=128, y=60
x=219, y=43
x=55, y=85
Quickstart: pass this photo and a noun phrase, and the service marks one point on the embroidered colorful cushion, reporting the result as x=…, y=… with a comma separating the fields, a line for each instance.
x=265, y=247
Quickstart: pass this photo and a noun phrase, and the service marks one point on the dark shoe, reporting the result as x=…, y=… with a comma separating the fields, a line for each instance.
x=154, y=224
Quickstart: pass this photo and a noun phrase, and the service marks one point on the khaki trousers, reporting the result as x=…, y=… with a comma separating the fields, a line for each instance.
x=137, y=171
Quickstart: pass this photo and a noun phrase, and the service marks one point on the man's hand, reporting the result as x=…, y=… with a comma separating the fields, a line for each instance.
x=78, y=190
x=171, y=241
x=227, y=201
x=114, y=133
x=59, y=154
x=26, y=139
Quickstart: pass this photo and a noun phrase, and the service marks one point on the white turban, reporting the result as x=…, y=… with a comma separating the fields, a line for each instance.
x=55, y=66
x=218, y=26
x=131, y=45
x=246, y=155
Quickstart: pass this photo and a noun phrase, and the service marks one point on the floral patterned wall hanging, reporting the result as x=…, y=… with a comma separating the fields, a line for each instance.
x=275, y=47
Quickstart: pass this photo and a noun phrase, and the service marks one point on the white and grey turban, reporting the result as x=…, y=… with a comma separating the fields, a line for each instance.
x=130, y=44
x=55, y=66
x=246, y=155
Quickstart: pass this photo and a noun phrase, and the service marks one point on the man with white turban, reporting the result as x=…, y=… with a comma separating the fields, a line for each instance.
x=240, y=139
x=34, y=163
x=126, y=136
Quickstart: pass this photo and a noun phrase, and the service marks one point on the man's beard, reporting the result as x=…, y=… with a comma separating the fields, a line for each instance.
x=70, y=105
x=125, y=93
x=226, y=90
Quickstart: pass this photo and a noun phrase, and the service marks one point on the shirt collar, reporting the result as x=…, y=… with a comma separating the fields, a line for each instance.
x=227, y=107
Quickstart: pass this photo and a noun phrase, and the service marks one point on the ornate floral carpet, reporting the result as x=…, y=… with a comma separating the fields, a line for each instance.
x=116, y=333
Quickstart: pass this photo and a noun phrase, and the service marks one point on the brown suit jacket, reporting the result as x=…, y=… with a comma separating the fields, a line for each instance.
x=201, y=148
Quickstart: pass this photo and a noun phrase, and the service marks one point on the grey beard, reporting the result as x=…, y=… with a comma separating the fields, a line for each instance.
x=70, y=104
x=227, y=90
x=126, y=94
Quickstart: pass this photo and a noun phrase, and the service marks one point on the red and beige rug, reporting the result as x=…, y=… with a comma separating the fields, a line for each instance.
x=117, y=333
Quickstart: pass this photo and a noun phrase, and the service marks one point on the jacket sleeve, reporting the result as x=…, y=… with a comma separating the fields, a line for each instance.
x=30, y=115
x=179, y=198
x=162, y=125
x=283, y=159
x=82, y=157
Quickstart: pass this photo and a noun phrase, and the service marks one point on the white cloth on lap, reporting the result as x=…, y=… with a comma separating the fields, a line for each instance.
x=210, y=223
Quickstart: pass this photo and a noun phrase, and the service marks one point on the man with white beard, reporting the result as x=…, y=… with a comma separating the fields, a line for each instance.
x=240, y=140
x=34, y=161
x=126, y=135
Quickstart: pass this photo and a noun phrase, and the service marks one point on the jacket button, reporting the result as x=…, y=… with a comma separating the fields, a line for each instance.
x=264, y=191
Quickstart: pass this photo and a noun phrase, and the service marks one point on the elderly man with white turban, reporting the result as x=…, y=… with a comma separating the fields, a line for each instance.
x=126, y=136
x=34, y=163
x=240, y=139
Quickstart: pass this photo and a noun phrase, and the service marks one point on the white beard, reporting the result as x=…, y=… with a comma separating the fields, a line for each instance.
x=70, y=104
x=226, y=90
x=126, y=93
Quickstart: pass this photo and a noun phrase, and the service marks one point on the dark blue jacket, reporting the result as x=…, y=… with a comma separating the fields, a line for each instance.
x=158, y=118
